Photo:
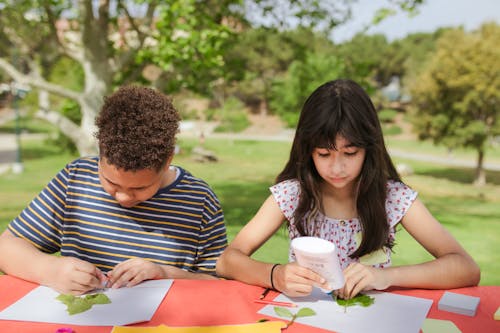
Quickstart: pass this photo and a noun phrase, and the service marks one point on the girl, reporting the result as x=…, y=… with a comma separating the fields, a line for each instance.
x=341, y=185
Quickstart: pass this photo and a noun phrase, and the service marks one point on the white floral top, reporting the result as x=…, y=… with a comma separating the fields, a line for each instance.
x=345, y=234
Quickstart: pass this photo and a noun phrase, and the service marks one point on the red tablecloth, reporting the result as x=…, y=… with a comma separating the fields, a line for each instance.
x=200, y=302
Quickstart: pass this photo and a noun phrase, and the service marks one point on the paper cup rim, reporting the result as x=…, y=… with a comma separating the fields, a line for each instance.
x=312, y=244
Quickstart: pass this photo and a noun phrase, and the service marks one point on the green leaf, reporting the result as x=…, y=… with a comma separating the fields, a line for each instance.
x=76, y=304
x=98, y=298
x=66, y=299
x=305, y=312
x=360, y=299
x=282, y=312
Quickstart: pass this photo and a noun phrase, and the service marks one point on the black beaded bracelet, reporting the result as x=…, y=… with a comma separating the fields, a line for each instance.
x=272, y=271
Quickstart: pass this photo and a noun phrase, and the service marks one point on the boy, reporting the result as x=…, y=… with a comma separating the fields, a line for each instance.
x=123, y=217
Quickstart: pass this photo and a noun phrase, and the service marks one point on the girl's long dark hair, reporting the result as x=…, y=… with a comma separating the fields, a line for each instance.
x=342, y=107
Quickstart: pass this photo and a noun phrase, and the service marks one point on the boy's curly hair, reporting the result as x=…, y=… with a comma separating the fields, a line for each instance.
x=136, y=128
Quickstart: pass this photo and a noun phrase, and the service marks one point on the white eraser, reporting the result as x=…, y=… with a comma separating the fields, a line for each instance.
x=458, y=303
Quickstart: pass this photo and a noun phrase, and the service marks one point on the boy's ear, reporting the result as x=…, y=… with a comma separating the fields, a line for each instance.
x=169, y=160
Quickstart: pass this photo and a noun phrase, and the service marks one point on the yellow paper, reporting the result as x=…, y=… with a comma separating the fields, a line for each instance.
x=496, y=316
x=265, y=327
x=439, y=326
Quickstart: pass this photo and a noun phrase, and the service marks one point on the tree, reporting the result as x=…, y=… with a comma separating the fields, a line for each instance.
x=457, y=96
x=112, y=41
x=262, y=55
x=290, y=93
x=364, y=55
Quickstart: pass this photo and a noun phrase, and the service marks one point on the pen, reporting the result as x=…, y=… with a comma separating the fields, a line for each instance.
x=264, y=293
x=263, y=301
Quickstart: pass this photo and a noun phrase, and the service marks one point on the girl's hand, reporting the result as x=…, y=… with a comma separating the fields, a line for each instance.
x=294, y=280
x=359, y=277
x=133, y=271
x=70, y=275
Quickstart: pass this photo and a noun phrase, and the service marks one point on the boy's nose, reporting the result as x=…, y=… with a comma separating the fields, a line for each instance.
x=124, y=198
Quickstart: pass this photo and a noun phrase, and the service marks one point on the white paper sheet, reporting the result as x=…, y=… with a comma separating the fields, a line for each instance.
x=390, y=313
x=128, y=306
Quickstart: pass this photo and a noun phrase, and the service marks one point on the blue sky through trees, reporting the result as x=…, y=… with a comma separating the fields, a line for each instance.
x=432, y=14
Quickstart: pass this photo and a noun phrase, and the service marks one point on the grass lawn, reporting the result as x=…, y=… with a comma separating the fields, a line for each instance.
x=246, y=169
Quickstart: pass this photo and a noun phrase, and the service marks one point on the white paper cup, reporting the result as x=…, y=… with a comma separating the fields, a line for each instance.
x=320, y=256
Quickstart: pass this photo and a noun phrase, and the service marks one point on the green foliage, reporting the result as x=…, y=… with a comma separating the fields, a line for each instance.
x=391, y=129
x=262, y=55
x=27, y=124
x=387, y=115
x=78, y=304
x=231, y=117
x=456, y=97
x=67, y=71
x=290, y=93
x=70, y=109
x=409, y=55
x=191, y=43
x=30, y=26
x=363, y=56
x=257, y=57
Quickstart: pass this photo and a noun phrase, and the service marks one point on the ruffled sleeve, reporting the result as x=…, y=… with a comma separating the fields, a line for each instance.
x=287, y=195
x=399, y=199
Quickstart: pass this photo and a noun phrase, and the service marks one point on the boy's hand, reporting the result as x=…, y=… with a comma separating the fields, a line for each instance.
x=70, y=275
x=294, y=280
x=133, y=271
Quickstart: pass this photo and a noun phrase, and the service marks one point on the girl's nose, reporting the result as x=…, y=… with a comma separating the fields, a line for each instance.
x=337, y=165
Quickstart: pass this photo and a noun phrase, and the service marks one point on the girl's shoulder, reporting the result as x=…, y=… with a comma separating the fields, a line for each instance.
x=287, y=187
x=286, y=194
x=399, y=199
x=395, y=185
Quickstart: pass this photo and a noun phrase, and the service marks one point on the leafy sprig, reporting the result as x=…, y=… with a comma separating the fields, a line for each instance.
x=283, y=312
x=360, y=299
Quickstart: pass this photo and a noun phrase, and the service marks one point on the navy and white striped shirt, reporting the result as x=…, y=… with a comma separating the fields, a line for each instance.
x=181, y=225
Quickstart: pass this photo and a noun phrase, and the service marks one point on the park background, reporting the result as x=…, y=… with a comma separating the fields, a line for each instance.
x=239, y=71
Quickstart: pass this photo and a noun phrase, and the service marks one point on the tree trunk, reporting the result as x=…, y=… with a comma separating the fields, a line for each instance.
x=480, y=177
x=96, y=87
x=263, y=108
x=86, y=143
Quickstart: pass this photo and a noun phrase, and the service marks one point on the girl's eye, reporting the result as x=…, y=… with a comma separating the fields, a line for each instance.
x=351, y=153
x=323, y=153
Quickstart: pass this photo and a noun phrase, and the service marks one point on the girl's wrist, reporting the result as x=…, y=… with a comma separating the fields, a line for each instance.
x=389, y=276
x=271, y=277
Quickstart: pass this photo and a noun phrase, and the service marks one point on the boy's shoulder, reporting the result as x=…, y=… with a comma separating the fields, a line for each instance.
x=83, y=164
x=187, y=179
x=86, y=160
